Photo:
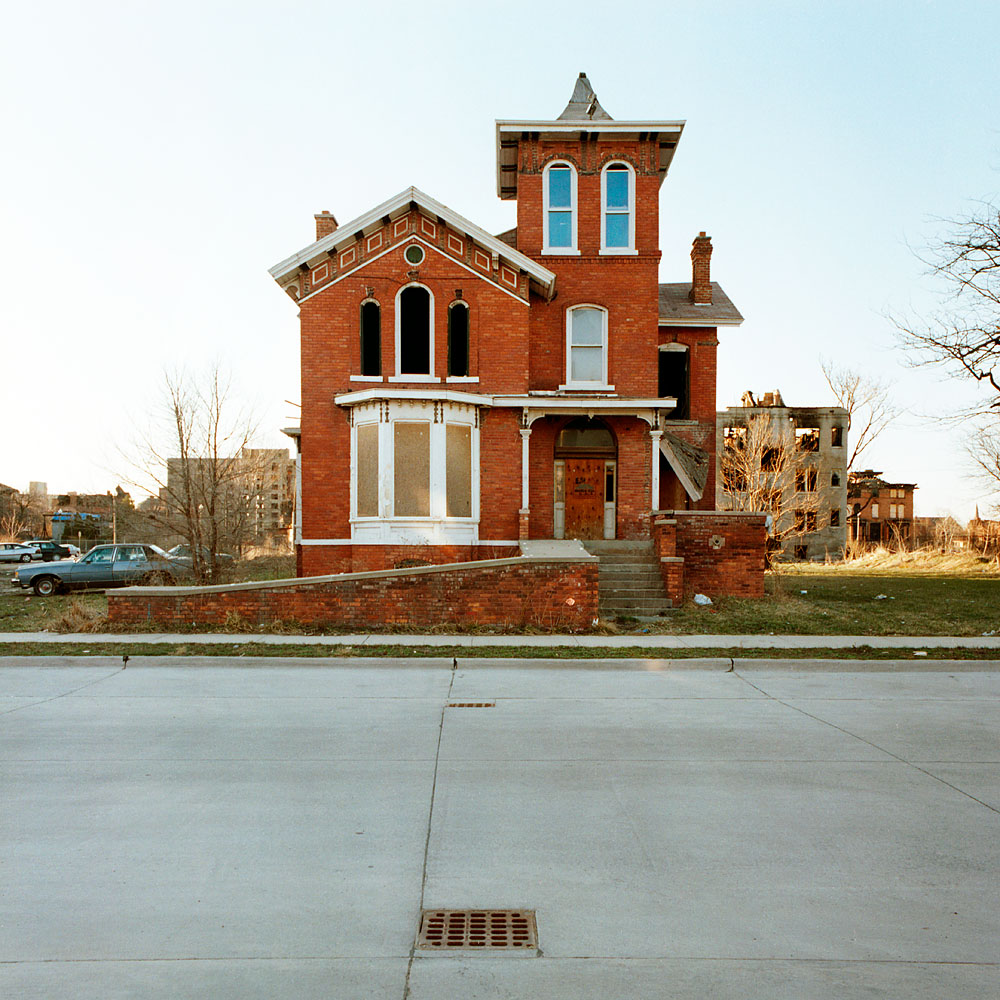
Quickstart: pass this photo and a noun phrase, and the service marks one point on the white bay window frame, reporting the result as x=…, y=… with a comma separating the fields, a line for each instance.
x=577, y=344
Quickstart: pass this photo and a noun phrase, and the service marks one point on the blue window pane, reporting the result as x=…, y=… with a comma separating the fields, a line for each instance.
x=616, y=230
x=559, y=188
x=587, y=328
x=560, y=229
x=617, y=188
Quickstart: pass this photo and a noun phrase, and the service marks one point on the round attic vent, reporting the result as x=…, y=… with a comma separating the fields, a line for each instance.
x=414, y=254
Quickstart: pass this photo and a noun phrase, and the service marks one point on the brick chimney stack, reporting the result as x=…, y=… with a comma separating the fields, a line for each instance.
x=701, y=278
x=325, y=224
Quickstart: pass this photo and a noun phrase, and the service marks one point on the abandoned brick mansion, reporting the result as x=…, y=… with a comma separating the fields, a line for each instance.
x=464, y=393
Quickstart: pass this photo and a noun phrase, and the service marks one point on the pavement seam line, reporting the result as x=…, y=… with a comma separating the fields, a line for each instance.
x=847, y=732
x=65, y=694
x=430, y=824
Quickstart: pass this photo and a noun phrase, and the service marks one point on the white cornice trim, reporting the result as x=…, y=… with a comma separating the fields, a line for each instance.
x=399, y=204
x=424, y=395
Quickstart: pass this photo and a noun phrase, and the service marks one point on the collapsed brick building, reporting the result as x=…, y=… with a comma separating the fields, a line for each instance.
x=465, y=394
x=881, y=512
x=797, y=455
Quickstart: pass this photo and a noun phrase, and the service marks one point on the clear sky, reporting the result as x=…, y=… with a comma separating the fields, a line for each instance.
x=159, y=157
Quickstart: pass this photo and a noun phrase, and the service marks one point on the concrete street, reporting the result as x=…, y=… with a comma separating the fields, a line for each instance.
x=244, y=828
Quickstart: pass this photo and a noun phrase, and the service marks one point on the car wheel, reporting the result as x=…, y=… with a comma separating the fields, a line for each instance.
x=44, y=586
x=26, y=557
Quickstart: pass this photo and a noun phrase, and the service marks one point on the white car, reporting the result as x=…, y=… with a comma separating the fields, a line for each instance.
x=16, y=552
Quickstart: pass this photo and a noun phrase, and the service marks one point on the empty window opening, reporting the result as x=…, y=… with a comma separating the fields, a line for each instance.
x=458, y=339
x=835, y=517
x=807, y=438
x=834, y=478
x=810, y=520
x=674, y=381
x=801, y=552
x=414, y=331
x=734, y=438
x=805, y=481
x=371, y=339
x=837, y=436
x=770, y=459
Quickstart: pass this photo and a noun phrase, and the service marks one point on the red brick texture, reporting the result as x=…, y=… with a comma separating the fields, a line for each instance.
x=721, y=553
x=548, y=593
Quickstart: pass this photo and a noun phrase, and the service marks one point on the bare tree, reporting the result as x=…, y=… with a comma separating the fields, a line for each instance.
x=19, y=513
x=867, y=401
x=984, y=450
x=762, y=470
x=963, y=336
x=192, y=463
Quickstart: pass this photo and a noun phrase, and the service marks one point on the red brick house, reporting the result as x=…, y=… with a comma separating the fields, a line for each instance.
x=463, y=393
x=879, y=512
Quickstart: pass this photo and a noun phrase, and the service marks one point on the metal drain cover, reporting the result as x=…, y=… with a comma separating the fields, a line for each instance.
x=472, y=704
x=509, y=930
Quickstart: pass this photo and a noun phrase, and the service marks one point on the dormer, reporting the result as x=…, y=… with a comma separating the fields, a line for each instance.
x=585, y=184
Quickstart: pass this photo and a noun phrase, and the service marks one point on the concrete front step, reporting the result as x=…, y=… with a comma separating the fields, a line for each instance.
x=629, y=581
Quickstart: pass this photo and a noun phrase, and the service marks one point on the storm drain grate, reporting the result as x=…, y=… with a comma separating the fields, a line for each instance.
x=509, y=929
x=472, y=704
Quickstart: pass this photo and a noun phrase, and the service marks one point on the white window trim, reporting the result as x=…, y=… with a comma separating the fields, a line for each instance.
x=572, y=249
x=603, y=383
x=386, y=528
x=630, y=250
x=397, y=320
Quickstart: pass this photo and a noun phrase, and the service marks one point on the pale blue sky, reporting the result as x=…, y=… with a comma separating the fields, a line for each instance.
x=159, y=157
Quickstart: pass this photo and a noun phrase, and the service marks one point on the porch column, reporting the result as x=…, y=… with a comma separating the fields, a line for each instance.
x=655, y=479
x=523, y=513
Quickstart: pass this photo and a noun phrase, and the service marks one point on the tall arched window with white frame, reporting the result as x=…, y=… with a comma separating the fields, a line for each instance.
x=559, y=208
x=618, y=208
x=414, y=334
x=586, y=348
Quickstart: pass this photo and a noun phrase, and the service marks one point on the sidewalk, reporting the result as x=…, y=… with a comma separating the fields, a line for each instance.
x=493, y=641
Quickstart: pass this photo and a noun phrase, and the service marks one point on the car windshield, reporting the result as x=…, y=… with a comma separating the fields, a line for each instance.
x=98, y=555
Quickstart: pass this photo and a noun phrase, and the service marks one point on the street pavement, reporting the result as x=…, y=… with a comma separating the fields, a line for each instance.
x=224, y=827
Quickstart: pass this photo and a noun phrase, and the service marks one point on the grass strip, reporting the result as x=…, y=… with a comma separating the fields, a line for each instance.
x=252, y=649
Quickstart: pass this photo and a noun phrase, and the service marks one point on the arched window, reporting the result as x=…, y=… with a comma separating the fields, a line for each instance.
x=458, y=339
x=617, y=208
x=586, y=347
x=371, y=338
x=559, y=208
x=414, y=331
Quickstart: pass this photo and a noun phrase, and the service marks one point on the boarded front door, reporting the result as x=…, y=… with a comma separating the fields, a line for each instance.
x=585, y=497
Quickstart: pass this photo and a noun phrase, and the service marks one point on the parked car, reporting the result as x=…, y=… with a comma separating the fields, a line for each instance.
x=17, y=552
x=102, y=567
x=49, y=549
x=184, y=551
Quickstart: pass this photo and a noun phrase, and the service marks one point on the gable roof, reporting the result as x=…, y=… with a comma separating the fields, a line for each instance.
x=677, y=309
x=396, y=206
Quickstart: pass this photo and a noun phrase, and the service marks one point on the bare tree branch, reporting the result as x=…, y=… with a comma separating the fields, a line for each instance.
x=867, y=401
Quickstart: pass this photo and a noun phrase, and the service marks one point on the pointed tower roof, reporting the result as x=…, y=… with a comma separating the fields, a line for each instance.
x=582, y=119
x=584, y=103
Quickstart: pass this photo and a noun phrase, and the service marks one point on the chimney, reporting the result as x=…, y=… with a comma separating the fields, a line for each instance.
x=325, y=224
x=701, y=260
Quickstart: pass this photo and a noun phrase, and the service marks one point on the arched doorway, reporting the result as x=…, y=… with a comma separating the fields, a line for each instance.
x=585, y=471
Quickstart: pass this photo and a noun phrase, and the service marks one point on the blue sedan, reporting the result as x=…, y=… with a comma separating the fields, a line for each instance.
x=103, y=566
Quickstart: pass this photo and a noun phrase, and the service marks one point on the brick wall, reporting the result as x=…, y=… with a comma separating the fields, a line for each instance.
x=722, y=552
x=549, y=593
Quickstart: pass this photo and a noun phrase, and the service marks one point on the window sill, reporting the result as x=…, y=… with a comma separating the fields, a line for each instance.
x=413, y=378
x=587, y=387
x=618, y=252
x=366, y=378
x=462, y=378
x=559, y=252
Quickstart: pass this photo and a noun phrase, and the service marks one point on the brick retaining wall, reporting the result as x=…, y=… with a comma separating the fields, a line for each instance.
x=554, y=593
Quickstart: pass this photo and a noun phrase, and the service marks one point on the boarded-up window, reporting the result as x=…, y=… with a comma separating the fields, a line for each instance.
x=368, y=470
x=458, y=469
x=412, y=469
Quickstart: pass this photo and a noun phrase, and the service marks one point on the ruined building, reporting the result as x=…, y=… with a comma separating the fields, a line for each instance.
x=790, y=461
x=880, y=512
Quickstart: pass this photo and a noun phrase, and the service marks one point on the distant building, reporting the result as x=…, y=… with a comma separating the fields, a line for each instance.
x=811, y=497
x=984, y=535
x=880, y=512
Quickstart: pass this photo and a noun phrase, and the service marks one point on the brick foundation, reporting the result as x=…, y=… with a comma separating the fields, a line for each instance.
x=551, y=593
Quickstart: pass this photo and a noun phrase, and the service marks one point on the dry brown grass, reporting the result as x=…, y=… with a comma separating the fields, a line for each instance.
x=884, y=561
x=79, y=617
